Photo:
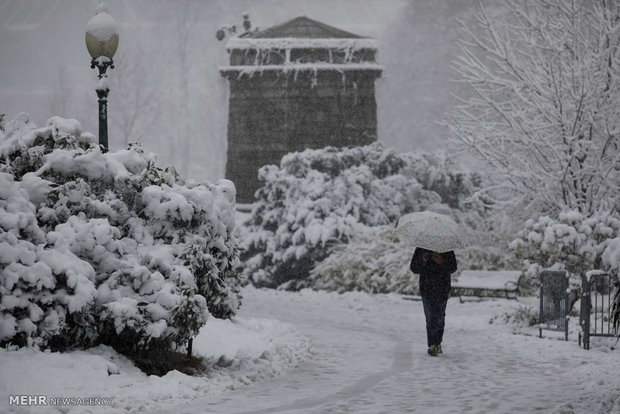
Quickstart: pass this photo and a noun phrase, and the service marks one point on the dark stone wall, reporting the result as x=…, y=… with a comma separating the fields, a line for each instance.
x=274, y=113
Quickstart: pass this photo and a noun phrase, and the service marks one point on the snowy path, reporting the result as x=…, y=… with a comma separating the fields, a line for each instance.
x=370, y=358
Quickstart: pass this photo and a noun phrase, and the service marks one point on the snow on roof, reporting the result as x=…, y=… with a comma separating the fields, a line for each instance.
x=299, y=67
x=304, y=27
x=595, y=272
x=300, y=43
x=302, y=33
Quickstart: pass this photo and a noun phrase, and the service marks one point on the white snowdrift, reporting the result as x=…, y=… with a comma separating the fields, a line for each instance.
x=239, y=352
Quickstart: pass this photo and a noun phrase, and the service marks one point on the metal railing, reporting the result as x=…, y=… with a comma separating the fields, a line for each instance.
x=553, y=302
x=595, y=319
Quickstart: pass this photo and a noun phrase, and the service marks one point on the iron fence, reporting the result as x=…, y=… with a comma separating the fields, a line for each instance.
x=554, y=301
x=595, y=319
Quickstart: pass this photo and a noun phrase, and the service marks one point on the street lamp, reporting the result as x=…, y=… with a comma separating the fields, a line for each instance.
x=102, y=42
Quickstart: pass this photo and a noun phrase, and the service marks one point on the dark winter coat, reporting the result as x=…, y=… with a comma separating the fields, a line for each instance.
x=434, y=278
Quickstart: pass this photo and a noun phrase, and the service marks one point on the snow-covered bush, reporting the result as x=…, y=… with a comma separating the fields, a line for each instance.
x=317, y=199
x=572, y=241
x=107, y=247
x=377, y=262
x=487, y=257
x=611, y=255
x=611, y=261
x=41, y=287
x=522, y=315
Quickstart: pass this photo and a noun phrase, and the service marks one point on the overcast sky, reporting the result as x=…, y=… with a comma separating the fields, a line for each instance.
x=42, y=39
x=38, y=36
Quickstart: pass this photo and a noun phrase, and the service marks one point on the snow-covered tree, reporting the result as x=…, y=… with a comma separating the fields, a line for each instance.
x=107, y=247
x=573, y=241
x=545, y=108
x=317, y=199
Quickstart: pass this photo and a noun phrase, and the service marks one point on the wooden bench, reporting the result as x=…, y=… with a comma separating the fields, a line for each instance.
x=487, y=283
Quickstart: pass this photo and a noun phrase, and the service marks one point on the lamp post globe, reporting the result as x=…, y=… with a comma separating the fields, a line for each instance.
x=102, y=42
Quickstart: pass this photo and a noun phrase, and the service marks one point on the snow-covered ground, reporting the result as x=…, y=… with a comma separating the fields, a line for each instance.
x=239, y=353
x=317, y=352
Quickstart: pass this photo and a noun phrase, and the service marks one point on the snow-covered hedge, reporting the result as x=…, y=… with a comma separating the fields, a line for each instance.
x=487, y=257
x=107, y=247
x=377, y=262
x=572, y=241
x=317, y=199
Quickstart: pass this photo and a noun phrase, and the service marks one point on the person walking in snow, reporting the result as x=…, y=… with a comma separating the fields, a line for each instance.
x=434, y=270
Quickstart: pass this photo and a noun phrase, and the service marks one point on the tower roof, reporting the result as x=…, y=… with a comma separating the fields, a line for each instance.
x=301, y=44
x=306, y=28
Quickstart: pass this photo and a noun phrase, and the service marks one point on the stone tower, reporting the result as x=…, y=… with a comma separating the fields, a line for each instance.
x=301, y=84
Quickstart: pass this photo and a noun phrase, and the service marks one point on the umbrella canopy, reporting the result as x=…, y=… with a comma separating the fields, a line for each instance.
x=431, y=231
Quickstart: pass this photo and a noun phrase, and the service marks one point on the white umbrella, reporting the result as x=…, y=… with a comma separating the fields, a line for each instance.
x=431, y=231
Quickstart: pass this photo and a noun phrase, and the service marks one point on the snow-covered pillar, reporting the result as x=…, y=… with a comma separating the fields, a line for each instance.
x=102, y=42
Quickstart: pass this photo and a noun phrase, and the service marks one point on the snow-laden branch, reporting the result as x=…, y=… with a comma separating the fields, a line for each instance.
x=545, y=107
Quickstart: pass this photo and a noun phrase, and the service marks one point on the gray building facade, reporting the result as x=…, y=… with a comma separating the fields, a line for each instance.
x=299, y=85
